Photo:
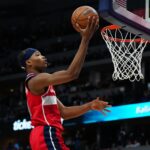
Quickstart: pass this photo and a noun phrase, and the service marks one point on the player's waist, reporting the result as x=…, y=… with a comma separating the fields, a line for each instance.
x=59, y=128
x=57, y=125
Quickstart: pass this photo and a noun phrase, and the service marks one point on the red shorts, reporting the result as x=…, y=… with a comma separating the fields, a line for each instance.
x=47, y=138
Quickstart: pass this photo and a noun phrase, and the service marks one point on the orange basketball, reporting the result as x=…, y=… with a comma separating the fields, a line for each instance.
x=80, y=16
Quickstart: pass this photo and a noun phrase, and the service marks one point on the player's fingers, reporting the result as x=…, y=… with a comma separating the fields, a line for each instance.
x=97, y=24
x=92, y=26
x=97, y=21
x=107, y=110
x=103, y=112
x=104, y=103
x=78, y=27
x=89, y=22
x=109, y=106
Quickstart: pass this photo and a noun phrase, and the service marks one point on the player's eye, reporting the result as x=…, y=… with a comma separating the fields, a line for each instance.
x=37, y=54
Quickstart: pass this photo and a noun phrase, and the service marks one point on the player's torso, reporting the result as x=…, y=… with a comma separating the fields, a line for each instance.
x=43, y=109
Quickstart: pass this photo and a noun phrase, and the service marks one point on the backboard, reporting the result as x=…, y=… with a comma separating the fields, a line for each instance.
x=133, y=15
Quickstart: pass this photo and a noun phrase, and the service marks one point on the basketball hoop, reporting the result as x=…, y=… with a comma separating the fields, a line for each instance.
x=126, y=51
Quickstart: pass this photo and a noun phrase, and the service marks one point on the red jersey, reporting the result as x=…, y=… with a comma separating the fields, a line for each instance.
x=43, y=108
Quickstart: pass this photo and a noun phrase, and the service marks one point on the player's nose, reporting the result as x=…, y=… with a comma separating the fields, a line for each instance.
x=43, y=57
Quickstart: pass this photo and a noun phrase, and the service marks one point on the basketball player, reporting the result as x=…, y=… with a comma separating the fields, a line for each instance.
x=45, y=109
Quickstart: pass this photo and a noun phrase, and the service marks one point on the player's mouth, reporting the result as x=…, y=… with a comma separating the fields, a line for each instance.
x=45, y=61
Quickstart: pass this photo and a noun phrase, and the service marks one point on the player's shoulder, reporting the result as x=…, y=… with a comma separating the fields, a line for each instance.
x=43, y=75
x=39, y=78
x=30, y=75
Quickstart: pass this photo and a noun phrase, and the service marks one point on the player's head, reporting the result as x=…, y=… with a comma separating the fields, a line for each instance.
x=32, y=59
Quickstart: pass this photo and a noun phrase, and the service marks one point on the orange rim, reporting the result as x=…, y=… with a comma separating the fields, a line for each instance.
x=116, y=27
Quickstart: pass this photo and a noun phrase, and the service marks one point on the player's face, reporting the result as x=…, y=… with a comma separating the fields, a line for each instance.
x=38, y=61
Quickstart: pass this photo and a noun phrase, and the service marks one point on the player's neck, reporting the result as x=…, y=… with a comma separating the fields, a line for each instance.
x=34, y=71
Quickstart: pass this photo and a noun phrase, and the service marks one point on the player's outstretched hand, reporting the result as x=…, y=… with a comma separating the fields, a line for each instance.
x=93, y=24
x=100, y=105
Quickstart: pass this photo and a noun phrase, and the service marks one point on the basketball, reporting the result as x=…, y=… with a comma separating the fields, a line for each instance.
x=80, y=16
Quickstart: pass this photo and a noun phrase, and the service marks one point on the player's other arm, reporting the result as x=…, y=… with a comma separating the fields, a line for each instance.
x=45, y=79
x=76, y=111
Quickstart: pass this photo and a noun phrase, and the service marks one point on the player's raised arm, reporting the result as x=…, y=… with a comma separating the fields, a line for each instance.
x=72, y=72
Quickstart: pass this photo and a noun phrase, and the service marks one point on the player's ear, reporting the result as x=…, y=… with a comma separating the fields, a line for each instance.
x=28, y=62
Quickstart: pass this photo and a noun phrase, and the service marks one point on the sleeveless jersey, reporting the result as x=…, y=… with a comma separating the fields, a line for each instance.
x=43, y=109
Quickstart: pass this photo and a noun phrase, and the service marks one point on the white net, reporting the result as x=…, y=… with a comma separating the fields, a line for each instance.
x=126, y=52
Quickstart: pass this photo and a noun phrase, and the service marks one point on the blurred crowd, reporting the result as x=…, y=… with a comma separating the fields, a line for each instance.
x=17, y=146
x=107, y=138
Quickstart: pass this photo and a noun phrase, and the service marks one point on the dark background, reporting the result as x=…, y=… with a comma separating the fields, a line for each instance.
x=46, y=25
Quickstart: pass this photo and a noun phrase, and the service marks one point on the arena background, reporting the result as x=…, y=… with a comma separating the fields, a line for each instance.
x=46, y=25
